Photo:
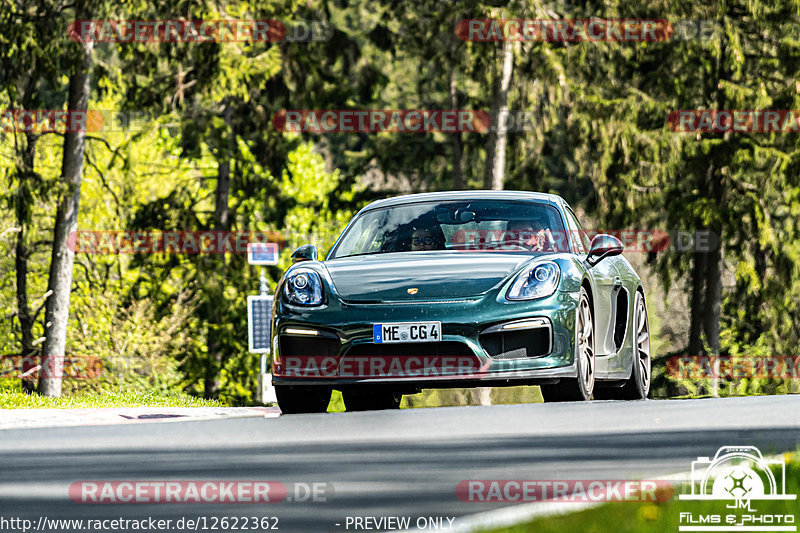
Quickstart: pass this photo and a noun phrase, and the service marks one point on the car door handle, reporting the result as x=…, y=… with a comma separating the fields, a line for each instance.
x=617, y=281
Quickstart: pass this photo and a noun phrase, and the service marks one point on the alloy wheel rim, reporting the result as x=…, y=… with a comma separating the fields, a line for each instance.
x=643, y=346
x=586, y=345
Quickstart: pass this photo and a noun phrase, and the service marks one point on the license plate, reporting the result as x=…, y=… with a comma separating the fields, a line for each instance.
x=407, y=332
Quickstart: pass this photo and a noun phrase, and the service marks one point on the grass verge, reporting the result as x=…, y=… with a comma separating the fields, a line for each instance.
x=11, y=397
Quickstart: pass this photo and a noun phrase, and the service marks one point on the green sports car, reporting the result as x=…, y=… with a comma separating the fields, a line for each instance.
x=460, y=289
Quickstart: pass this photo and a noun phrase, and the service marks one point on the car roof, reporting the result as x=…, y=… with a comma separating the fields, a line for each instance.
x=553, y=199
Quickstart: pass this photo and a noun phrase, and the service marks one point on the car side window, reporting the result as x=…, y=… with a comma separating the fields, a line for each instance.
x=577, y=236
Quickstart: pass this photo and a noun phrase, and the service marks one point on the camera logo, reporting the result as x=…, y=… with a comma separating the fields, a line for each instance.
x=737, y=475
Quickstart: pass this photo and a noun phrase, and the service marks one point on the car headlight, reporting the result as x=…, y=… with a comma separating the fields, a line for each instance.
x=538, y=281
x=303, y=287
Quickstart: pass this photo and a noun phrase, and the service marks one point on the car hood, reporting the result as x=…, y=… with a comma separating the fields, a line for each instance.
x=435, y=275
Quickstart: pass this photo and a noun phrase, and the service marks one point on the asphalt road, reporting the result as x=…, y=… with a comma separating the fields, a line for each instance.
x=398, y=463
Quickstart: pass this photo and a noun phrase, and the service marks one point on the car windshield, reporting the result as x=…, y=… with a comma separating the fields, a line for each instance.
x=473, y=226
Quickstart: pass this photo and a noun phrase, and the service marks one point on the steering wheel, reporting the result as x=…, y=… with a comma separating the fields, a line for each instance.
x=505, y=245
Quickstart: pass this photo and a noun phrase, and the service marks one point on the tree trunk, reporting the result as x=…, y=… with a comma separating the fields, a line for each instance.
x=496, y=151
x=697, y=303
x=60, y=280
x=714, y=262
x=458, y=176
x=222, y=208
x=22, y=204
x=484, y=395
x=713, y=300
x=222, y=222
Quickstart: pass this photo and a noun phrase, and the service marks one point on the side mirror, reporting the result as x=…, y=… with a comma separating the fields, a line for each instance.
x=307, y=252
x=603, y=246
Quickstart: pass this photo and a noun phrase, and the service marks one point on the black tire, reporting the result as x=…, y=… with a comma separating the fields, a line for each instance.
x=293, y=400
x=608, y=393
x=355, y=400
x=551, y=393
x=578, y=389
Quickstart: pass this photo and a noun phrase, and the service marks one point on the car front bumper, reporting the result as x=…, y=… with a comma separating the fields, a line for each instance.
x=487, y=341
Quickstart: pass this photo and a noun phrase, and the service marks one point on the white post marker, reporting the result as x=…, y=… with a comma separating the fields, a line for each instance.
x=259, y=316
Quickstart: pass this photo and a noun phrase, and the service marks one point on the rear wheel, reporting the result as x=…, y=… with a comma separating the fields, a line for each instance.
x=638, y=385
x=294, y=400
x=371, y=400
x=580, y=388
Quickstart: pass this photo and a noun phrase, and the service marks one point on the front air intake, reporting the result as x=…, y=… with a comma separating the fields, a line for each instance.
x=324, y=345
x=516, y=343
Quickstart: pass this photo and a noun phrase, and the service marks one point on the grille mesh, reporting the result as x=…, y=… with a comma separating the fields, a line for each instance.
x=516, y=344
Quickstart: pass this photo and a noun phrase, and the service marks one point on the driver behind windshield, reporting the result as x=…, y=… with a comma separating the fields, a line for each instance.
x=425, y=239
x=531, y=235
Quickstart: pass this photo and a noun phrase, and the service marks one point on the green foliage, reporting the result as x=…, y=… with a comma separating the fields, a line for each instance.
x=599, y=137
x=454, y=397
x=308, y=187
x=137, y=350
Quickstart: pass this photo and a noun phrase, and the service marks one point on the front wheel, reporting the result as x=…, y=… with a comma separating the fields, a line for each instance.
x=293, y=400
x=355, y=400
x=580, y=388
